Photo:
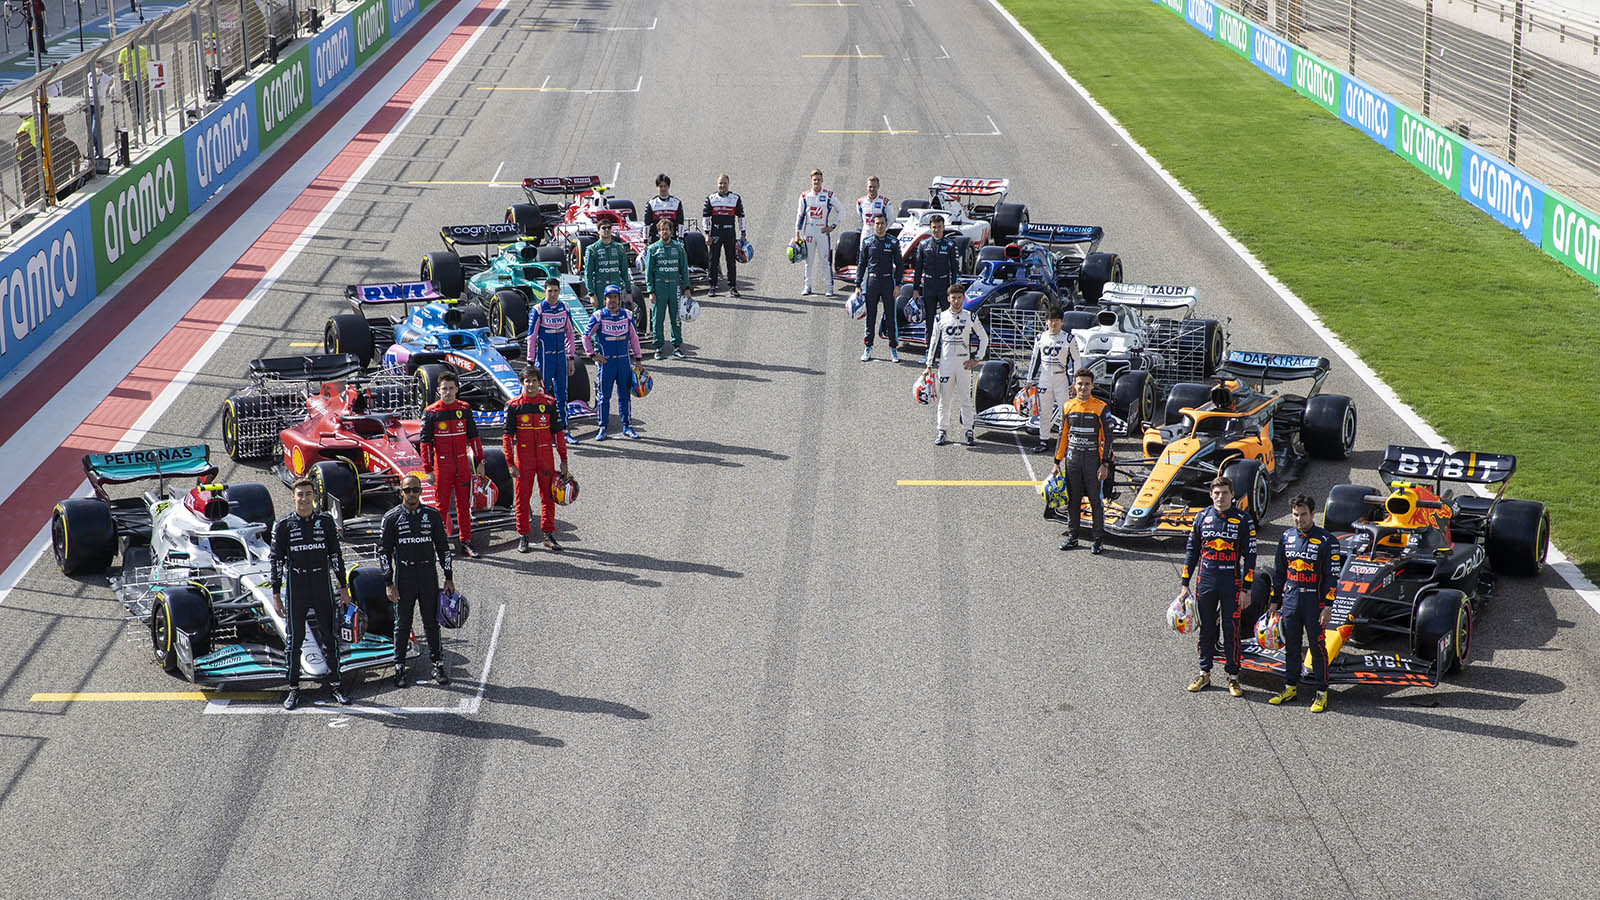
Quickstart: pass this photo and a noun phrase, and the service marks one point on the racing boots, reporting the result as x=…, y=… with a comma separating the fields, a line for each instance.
x=1070, y=543
x=1234, y=690
x=894, y=354
x=628, y=432
x=440, y=676
x=550, y=541
x=402, y=678
x=339, y=696
x=939, y=440
x=291, y=699
x=1288, y=695
x=970, y=441
x=464, y=548
x=866, y=355
x=522, y=544
x=1200, y=683
x=1320, y=704
x=1097, y=548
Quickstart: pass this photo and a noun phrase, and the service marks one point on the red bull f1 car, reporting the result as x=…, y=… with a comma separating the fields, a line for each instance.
x=1419, y=562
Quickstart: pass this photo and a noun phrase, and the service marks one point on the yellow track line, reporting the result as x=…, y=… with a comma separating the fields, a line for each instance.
x=305, y=343
x=147, y=696
x=906, y=482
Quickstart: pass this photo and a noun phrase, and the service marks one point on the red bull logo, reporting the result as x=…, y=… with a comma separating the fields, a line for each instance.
x=1300, y=565
x=1219, y=545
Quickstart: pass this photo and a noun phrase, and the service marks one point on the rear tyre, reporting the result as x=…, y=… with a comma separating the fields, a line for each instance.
x=623, y=206
x=428, y=382
x=553, y=254
x=180, y=610
x=251, y=502
x=348, y=333
x=369, y=591
x=694, y=246
x=1185, y=395
x=1519, y=537
x=1099, y=270
x=910, y=204
x=847, y=251
x=443, y=268
x=1200, y=340
x=337, y=481
x=1329, y=429
x=1346, y=505
x=1443, y=615
x=83, y=535
x=578, y=384
x=1027, y=300
x=994, y=385
x=528, y=219
x=1008, y=219
x=1250, y=486
x=508, y=313
x=1133, y=398
x=1260, y=597
x=247, y=431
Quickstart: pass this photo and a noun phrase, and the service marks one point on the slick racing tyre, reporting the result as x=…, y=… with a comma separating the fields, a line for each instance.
x=578, y=384
x=498, y=471
x=1133, y=398
x=1442, y=614
x=1519, y=537
x=369, y=591
x=623, y=206
x=1329, y=427
x=1200, y=343
x=1250, y=488
x=847, y=252
x=249, y=427
x=336, y=481
x=428, y=382
x=83, y=535
x=1099, y=270
x=694, y=246
x=175, y=611
x=528, y=219
x=508, y=313
x=349, y=333
x=443, y=268
x=553, y=254
x=993, y=385
x=1008, y=219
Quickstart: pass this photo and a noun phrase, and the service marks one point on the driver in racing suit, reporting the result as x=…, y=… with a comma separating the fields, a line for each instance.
x=952, y=351
x=552, y=345
x=936, y=264
x=818, y=217
x=305, y=552
x=532, y=440
x=410, y=539
x=1222, y=553
x=1055, y=359
x=871, y=206
x=613, y=342
x=449, y=433
x=722, y=220
x=1306, y=568
x=1084, y=454
x=663, y=205
x=879, y=274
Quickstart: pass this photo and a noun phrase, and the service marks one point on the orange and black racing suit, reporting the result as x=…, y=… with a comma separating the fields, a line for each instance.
x=1084, y=447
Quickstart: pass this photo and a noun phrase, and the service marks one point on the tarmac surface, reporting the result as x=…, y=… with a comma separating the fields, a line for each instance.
x=762, y=667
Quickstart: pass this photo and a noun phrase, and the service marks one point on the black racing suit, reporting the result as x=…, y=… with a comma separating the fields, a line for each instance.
x=306, y=552
x=879, y=274
x=1304, y=588
x=723, y=221
x=1084, y=447
x=1222, y=552
x=408, y=544
x=936, y=265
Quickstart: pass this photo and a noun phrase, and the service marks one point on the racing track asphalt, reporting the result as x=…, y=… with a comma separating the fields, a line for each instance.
x=762, y=668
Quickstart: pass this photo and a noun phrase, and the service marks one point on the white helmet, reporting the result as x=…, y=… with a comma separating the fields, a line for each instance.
x=1182, y=615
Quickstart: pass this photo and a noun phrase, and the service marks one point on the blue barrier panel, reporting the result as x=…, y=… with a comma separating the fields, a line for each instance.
x=45, y=282
x=219, y=146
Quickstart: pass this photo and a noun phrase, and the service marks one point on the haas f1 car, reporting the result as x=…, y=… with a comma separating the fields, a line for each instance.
x=1258, y=437
x=195, y=569
x=355, y=438
x=975, y=213
x=1419, y=561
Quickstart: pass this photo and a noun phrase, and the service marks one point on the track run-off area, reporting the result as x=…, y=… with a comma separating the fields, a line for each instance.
x=792, y=648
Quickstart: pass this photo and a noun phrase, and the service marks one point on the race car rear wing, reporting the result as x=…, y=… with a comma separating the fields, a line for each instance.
x=1042, y=233
x=952, y=186
x=329, y=367
x=406, y=292
x=558, y=185
x=473, y=235
x=158, y=463
x=1465, y=466
x=1260, y=367
x=1150, y=296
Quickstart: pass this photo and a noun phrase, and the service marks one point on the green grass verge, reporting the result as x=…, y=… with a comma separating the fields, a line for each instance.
x=1494, y=343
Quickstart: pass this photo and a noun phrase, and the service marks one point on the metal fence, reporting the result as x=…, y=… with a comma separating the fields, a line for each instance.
x=102, y=106
x=1518, y=78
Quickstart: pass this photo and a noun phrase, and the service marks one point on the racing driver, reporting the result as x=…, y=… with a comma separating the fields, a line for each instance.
x=410, y=539
x=552, y=345
x=952, y=352
x=449, y=435
x=612, y=341
x=533, y=431
x=1305, y=572
x=1222, y=553
x=818, y=217
x=305, y=552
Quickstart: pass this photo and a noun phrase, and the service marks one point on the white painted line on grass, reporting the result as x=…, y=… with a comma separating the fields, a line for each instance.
x=1558, y=560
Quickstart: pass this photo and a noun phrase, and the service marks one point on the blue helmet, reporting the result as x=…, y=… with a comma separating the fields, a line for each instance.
x=453, y=609
x=1054, y=490
x=743, y=251
x=641, y=383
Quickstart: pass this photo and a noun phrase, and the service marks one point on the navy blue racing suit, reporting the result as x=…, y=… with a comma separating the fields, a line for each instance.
x=1304, y=588
x=1222, y=558
x=936, y=264
x=879, y=274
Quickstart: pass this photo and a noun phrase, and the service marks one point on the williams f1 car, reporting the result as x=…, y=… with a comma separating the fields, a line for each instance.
x=195, y=570
x=1259, y=438
x=1420, y=562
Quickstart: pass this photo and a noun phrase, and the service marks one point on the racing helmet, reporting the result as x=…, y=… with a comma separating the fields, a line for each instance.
x=352, y=622
x=1054, y=490
x=743, y=251
x=856, y=305
x=690, y=310
x=1026, y=402
x=924, y=390
x=1182, y=616
x=1269, y=632
x=453, y=609
x=796, y=251
x=565, y=490
x=641, y=383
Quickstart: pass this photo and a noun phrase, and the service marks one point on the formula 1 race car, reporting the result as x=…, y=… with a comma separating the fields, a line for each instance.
x=1261, y=441
x=431, y=335
x=1136, y=357
x=195, y=569
x=572, y=224
x=354, y=437
x=974, y=224
x=1420, y=561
